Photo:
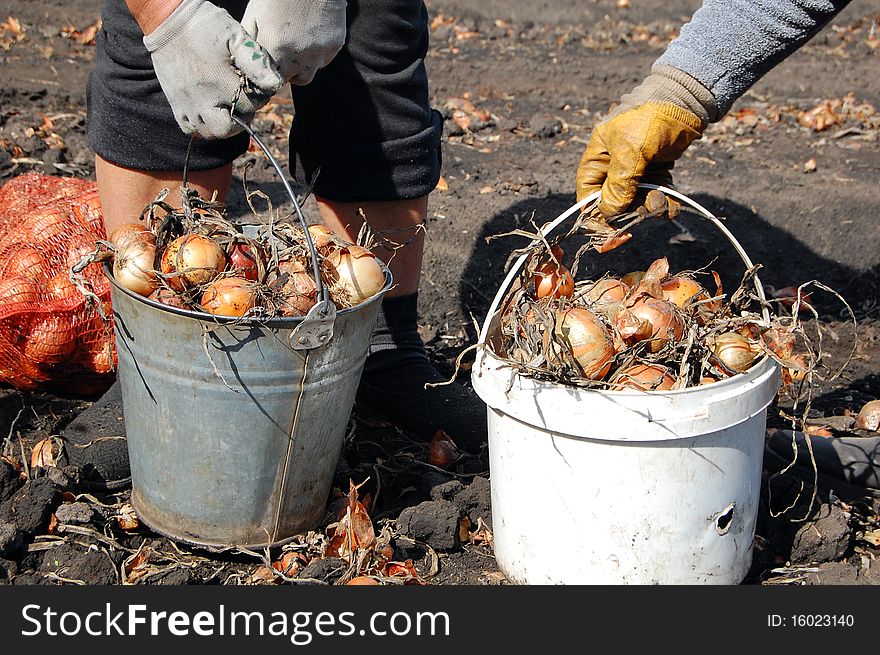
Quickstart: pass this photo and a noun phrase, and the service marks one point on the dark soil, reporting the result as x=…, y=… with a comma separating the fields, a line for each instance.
x=539, y=76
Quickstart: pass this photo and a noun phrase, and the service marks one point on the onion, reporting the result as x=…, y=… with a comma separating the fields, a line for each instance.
x=244, y=260
x=442, y=452
x=128, y=233
x=168, y=297
x=606, y=295
x=644, y=377
x=586, y=337
x=102, y=358
x=24, y=262
x=869, y=416
x=633, y=278
x=361, y=580
x=51, y=340
x=192, y=260
x=62, y=289
x=321, y=237
x=229, y=296
x=666, y=323
x=553, y=280
x=18, y=289
x=299, y=291
x=356, y=275
x=133, y=268
x=733, y=350
x=679, y=290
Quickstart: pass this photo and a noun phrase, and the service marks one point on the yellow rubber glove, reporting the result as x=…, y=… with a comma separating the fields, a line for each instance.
x=643, y=137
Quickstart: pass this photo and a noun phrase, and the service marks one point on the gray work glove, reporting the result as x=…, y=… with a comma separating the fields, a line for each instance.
x=207, y=64
x=301, y=35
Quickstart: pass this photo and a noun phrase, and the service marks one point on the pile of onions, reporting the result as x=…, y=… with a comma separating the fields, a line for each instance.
x=636, y=332
x=226, y=274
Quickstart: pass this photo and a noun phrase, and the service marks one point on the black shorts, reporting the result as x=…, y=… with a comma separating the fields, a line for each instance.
x=365, y=120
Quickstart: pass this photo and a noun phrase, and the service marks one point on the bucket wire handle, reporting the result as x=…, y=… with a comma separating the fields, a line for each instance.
x=316, y=328
x=549, y=227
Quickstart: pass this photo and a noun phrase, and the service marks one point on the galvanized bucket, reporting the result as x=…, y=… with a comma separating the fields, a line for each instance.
x=235, y=427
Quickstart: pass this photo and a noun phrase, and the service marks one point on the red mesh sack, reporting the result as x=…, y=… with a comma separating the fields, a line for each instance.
x=51, y=334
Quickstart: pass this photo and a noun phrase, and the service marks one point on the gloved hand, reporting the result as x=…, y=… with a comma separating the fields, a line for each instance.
x=642, y=138
x=301, y=35
x=207, y=64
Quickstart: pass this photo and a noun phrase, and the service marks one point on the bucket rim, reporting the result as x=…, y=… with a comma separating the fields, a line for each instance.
x=287, y=322
x=734, y=380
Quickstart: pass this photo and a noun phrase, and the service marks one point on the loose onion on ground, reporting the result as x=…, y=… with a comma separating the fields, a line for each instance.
x=868, y=417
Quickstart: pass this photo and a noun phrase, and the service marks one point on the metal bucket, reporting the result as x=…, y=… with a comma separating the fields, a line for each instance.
x=233, y=434
x=235, y=426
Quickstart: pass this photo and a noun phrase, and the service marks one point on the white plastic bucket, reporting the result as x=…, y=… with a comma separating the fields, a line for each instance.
x=623, y=487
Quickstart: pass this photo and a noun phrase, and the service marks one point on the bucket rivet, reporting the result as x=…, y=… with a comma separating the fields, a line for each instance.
x=322, y=337
x=303, y=340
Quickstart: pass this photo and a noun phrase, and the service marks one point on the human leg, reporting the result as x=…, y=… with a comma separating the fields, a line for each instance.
x=368, y=142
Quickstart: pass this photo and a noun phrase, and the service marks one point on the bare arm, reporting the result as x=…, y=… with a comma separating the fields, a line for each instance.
x=149, y=14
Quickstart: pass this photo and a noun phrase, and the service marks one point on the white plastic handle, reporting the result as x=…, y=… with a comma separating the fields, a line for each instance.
x=547, y=229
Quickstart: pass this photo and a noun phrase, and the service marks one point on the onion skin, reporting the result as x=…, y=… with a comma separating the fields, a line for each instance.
x=586, y=337
x=666, y=324
x=553, y=280
x=128, y=233
x=299, y=291
x=322, y=237
x=229, y=296
x=868, y=417
x=356, y=275
x=192, y=260
x=168, y=297
x=633, y=278
x=243, y=261
x=733, y=350
x=679, y=290
x=133, y=268
x=605, y=296
x=643, y=377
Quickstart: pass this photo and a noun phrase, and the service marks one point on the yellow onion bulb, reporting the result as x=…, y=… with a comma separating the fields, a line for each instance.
x=605, y=296
x=192, y=260
x=587, y=338
x=644, y=377
x=133, y=268
x=356, y=275
x=679, y=290
x=127, y=233
x=868, y=417
x=633, y=278
x=666, y=323
x=733, y=350
x=229, y=296
x=553, y=280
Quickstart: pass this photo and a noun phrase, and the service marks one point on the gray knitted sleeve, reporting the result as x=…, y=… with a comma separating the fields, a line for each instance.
x=729, y=44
